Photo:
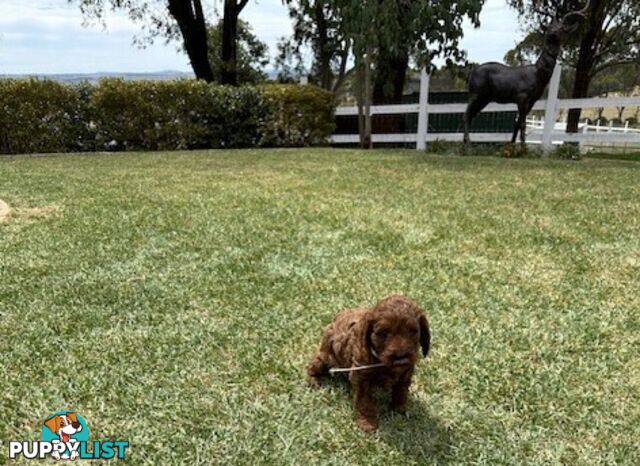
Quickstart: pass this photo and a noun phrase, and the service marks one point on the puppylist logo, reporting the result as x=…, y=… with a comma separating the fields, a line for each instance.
x=65, y=436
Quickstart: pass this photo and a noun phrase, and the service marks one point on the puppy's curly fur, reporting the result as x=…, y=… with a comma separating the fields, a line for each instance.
x=391, y=333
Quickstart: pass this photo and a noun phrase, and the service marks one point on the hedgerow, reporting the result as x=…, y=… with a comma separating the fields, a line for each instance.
x=46, y=116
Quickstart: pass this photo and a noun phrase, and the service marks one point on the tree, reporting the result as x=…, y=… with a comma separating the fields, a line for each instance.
x=164, y=18
x=431, y=29
x=229, y=50
x=451, y=76
x=185, y=19
x=418, y=27
x=252, y=54
x=610, y=36
x=316, y=25
x=289, y=62
x=394, y=29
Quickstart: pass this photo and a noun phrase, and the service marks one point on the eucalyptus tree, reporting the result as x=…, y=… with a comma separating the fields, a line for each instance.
x=431, y=29
x=394, y=30
x=316, y=25
x=184, y=20
x=609, y=37
x=163, y=18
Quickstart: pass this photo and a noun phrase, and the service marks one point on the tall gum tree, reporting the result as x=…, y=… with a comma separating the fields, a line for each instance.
x=608, y=38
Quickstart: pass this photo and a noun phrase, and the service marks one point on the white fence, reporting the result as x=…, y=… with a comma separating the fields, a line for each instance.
x=546, y=134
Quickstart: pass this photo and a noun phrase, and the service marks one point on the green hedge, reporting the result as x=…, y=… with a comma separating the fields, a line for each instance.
x=46, y=116
x=297, y=115
x=42, y=116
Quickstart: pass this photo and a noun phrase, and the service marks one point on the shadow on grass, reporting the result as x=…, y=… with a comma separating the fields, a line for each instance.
x=418, y=434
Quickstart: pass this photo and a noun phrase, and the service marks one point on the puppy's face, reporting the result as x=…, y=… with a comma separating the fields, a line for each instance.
x=395, y=329
x=69, y=424
x=65, y=423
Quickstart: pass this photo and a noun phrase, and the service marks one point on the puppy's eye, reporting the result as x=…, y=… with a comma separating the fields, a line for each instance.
x=382, y=334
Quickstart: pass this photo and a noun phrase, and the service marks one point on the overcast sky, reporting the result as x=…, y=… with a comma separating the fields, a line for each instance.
x=47, y=36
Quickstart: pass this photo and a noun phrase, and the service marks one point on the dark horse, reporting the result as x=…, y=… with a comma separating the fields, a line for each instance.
x=521, y=85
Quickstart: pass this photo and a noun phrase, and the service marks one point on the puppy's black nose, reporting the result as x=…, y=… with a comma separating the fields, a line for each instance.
x=75, y=425
x=400, y=354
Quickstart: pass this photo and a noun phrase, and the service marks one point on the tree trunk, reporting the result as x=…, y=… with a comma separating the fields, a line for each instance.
x=190, y=19
x=229, y=52
x=323, y=52
x=586, y=61
x=367, y=140
x=581, y=83
x=390, y=76
x=360, y=98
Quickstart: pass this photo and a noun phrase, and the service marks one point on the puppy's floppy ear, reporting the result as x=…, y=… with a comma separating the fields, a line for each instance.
x=53, y=424
x=425, y=335
x=367, y=330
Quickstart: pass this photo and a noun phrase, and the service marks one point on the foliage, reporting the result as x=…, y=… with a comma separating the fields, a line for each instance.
x=431, y=29
x=316, y=24
x=253, y=54
x=182, y=20
x=617, y=24
x=176, y=115
x=450, y=76
x=44, y=116
x=608, y=37
x=298, y=115
x=442, y=147
x=567, y=151
x=289, y=62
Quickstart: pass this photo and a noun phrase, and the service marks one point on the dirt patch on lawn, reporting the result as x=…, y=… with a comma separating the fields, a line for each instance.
x=20, y=215
x=40, y=212
x=5, y=211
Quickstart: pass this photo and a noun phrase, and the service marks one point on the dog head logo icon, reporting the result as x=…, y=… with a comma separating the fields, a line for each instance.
x=68, y=428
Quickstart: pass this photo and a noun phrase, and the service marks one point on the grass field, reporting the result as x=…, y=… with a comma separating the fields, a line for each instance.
x=173, y=300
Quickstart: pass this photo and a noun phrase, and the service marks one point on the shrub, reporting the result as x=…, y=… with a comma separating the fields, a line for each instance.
x=567, y=151
x=297, y=115
x=517, y=150
x=442, y=147
x=175, y=115
x=45, y=116
x=42, y=116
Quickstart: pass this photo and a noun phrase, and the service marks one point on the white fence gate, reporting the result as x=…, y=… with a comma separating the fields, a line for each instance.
x=546, y=134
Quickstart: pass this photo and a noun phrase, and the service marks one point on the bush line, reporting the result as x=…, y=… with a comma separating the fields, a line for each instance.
x=43, y=116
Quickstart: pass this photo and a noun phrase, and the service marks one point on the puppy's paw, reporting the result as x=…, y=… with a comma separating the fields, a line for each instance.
x=399, y=408
x=367, y=425
x=314, y=382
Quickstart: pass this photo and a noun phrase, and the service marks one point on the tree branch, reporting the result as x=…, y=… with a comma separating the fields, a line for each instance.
x=241, y=5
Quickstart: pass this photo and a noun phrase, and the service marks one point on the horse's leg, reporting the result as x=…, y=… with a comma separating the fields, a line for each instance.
x=523, y=109
x=523, y=123
x=476, y=104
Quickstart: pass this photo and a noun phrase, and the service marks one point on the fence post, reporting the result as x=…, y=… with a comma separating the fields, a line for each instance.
x=550, y=109
x=582, y=141
x=423, y=111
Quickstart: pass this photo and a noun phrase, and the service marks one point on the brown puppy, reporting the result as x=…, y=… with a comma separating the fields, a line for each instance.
x=389, y=333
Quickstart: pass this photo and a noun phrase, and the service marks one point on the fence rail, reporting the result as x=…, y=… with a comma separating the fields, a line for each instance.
x=547, y=133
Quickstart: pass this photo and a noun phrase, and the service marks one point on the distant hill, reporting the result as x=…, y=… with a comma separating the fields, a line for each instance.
x=94, y=77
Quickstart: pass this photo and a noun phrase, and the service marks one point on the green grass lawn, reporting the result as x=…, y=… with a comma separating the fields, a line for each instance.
x=174, y=299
